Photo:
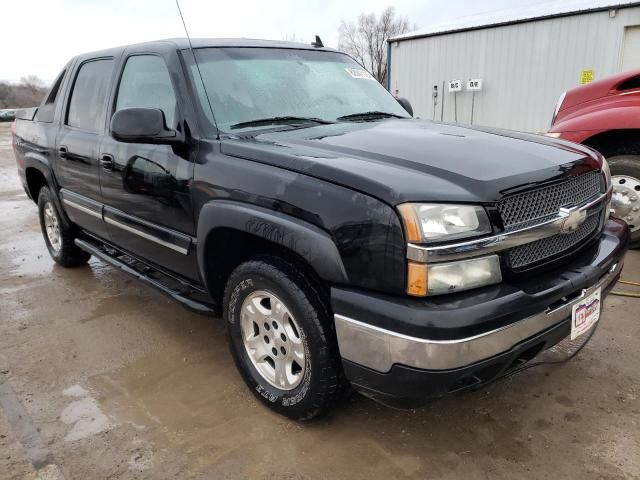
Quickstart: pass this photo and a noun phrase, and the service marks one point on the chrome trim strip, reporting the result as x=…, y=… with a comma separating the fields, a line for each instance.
x=106, y=214
x=82, y=208
x=379, y=349
x=146, y=236
x=495, y=243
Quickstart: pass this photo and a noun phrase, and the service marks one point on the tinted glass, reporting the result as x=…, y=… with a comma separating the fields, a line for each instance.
x=47, y=109
x=89, y=95
x=245, y=84
x=146, y=83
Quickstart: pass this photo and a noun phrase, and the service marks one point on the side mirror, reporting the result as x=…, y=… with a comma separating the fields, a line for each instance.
x=142, y=125
x=405, y=104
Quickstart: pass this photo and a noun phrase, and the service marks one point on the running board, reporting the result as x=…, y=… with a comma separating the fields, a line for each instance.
x=190, y=296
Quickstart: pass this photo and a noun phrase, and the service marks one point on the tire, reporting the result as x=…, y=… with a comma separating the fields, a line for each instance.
x=625, y=173
x=312, y=389
x=58, y=234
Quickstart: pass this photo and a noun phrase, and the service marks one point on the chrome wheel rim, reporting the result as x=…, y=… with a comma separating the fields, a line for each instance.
x=626, y=200
x=52, y=227
x=273, y=340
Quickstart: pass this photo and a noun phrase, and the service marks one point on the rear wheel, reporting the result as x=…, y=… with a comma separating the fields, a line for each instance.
x=58, y=234
x=282, y=338
x=625, y=177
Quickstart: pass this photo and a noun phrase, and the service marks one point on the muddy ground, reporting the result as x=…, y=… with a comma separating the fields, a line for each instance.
x=101, y=377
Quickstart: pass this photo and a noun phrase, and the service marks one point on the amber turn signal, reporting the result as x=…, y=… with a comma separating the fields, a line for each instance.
x=417, y=279
x=411, y=222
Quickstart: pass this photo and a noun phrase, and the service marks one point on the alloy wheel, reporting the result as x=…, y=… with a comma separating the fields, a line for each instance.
x=52, y=227
x=273, y=340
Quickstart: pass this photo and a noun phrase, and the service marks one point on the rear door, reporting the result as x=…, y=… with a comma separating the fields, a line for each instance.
x=146, y=189
x=77, y=144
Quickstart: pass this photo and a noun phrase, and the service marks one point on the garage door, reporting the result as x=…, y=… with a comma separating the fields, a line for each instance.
x=631, y=48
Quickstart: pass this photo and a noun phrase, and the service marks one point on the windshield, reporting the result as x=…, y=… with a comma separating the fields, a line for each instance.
x=249, y=84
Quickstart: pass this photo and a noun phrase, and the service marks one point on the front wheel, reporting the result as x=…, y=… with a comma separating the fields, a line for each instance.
x=282, y=338
x=625, y=177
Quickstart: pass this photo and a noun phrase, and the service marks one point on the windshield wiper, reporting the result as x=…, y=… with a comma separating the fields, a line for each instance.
x=369, y=115
x=278, y=120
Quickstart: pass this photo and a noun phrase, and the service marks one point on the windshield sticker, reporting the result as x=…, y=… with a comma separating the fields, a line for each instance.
x=359, y=73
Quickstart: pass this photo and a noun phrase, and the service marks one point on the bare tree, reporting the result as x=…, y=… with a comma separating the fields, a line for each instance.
x=32, y=84
x=366, y=39
x=7, y=98
x=28, y=93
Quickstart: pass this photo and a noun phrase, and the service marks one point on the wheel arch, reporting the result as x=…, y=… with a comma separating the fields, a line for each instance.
x=230, y=233
x=615, y=142
x=35, y=179
x=38, y=174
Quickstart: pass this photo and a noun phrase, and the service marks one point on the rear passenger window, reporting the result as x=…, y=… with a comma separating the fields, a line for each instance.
x=146, y=83
x=89, y=95
x=47, y=108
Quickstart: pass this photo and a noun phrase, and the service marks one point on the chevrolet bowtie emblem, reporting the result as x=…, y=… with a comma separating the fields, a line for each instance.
x=573, y=218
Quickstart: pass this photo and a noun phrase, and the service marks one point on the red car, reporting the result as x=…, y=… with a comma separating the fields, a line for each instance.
x=605, y=115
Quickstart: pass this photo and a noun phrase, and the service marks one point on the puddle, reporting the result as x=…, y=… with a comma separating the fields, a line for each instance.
x=122, y=304
x=191, y=399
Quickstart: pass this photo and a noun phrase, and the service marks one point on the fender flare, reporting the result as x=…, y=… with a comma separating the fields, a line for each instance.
x=313, y=244
x=39, y=162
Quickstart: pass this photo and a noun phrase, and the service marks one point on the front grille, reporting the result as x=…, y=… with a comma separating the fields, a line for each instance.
x=536, y=206
x=534, y=252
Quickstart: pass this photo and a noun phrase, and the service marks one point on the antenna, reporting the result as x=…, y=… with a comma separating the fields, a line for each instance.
x=195, y=59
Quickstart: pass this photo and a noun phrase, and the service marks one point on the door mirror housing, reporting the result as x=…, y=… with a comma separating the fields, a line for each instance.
x=405, y=104
x=142, y=125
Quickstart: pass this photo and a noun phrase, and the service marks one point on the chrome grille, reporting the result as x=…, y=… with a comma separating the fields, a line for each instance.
x=535, y=206
x=537, y=251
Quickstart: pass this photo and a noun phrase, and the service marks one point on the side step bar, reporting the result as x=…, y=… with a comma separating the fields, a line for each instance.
x=190, y=296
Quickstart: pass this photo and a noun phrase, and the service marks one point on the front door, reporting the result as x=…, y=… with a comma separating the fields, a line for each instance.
x=146, y=189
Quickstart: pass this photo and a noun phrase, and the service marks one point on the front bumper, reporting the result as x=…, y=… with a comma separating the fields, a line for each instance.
x=407, y=349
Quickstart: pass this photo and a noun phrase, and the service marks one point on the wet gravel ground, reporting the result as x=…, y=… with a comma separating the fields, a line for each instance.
x=101, y=377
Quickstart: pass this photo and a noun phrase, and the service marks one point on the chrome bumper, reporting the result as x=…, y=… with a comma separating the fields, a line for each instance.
x=380, y=349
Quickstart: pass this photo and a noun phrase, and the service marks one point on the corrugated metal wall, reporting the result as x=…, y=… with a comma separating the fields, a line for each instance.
x=525, y=67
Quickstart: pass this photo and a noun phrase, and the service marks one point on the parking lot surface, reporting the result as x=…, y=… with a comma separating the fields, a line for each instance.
x=101, y=377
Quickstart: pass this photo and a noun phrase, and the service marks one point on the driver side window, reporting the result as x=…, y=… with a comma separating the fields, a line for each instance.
x=146, y=83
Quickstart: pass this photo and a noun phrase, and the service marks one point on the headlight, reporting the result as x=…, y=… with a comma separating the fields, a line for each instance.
x=463, y=275
x=448, y=277
x=429, y=222
x=435, y=222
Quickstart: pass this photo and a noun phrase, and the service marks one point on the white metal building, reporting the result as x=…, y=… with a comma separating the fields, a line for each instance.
x=525, y=58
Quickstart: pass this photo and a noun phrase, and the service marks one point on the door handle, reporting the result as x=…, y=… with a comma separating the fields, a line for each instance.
x=106, y=160
x=62, y=151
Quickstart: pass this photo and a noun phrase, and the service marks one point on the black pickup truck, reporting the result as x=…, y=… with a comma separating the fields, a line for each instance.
x=343, y=241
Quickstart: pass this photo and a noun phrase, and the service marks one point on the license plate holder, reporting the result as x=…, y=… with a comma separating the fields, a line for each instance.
x=585, y=314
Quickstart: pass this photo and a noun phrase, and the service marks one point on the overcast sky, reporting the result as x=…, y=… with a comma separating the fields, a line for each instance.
x=40, y=36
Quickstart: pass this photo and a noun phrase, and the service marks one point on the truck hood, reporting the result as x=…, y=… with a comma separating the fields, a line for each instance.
x=400, y=160
x=595, y=90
